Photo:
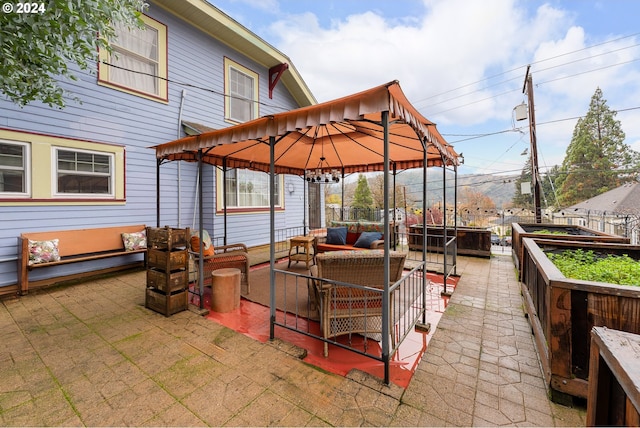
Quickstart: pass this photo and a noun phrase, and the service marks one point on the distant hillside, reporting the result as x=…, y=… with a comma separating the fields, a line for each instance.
x=499, y=188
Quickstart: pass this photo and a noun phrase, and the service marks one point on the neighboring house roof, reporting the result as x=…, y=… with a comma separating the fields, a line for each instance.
x=217, y=24
x=622, y=200
x=347, y=134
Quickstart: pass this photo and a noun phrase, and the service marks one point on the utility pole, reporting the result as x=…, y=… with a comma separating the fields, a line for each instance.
x=528, y=88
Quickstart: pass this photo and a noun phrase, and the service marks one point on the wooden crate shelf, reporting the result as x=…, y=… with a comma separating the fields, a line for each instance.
x=166, y=303
x=167, y=270
x=167, y=261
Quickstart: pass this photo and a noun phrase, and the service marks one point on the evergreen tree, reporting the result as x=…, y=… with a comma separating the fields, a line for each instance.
x=521, y=200
x=547, y=181
x=548, y=196
x=597, y=159
x=362, y=196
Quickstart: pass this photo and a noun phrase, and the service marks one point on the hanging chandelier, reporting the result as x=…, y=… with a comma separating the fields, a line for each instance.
x=322, y=174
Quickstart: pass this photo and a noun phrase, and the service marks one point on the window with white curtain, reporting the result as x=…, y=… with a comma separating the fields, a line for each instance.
x=14, y=169
x=241, y=90
x=249, y=189
x=139, y=61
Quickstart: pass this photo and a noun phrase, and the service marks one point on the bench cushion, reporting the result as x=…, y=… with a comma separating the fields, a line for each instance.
x=43, y=251
x=134, y=240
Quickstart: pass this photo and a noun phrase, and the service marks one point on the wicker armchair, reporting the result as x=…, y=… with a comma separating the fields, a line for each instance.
x=225, y=256
x=347, y=310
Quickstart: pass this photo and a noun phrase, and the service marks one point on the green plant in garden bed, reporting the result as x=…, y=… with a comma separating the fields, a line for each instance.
x=551, y=232
x=590, y=266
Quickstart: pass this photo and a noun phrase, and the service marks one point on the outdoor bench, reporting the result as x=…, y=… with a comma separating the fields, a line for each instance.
x=37, y=250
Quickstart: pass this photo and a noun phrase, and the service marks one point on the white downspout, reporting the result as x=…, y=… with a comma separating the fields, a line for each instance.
x=179, y=134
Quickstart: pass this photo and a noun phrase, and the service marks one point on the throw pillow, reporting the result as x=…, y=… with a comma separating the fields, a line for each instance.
x=366, y=239
x=337, y=235
x=43, y=251
x=134, y=240
x=195, y=246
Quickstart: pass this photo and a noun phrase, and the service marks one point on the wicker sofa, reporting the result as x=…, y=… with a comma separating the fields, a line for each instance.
x=344, y=309
x=354, y=231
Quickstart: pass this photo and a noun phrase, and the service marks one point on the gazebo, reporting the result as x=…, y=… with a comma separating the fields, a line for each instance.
x=370, y=131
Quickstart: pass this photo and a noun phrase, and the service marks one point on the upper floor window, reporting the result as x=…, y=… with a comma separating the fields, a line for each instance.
x=14, y=168
x=249, y=189
x=83, y=173
x=139, y=60
x=241, y=92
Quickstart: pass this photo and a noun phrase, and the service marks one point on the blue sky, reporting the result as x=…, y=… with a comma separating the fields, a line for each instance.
x=462, y=63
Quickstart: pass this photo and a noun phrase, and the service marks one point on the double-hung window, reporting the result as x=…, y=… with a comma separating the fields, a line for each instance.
x=83, y=173
x=48, y=170
x=138, y=62
x=14, y=169
x=248, y=189
x=241, y=92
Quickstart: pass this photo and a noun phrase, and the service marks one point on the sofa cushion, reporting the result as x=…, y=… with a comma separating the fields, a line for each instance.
x=337, y=235
x=321, y=247
x=364, y=226
x=352, y=237
x=352, y=226
x=366, y=239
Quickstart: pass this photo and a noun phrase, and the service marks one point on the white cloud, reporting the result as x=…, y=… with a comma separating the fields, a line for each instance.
x=462, y=63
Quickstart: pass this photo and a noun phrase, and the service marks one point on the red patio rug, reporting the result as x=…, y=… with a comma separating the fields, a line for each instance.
x=252, y=319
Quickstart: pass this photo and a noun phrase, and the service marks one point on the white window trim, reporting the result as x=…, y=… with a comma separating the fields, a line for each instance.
x=27, y=171
x=54, y=175
x=228, y=65
x=221, y=188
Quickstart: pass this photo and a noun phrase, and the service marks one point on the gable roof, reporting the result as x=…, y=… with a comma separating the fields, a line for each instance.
x=346, y=134
x=621, y=200
x=213, y=21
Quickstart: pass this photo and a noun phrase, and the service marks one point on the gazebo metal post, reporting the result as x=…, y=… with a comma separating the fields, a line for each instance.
x=158, y=162
x=224, y=197
x=200, y=232
x=272, y=243
x=385, y=296
x=424, y=232
x=455, y=219
x=395, y=229
x=342, y=197
x=304, y=203
x=444, y=222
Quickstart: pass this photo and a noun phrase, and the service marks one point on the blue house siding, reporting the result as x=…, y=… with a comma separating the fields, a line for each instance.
x=114, y=117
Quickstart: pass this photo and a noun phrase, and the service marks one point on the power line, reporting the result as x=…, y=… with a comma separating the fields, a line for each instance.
x=548, y=122
x=524, y=66
x=202, y=88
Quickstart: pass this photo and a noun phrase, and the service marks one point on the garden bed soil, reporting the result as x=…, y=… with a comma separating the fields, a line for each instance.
x=556, y=231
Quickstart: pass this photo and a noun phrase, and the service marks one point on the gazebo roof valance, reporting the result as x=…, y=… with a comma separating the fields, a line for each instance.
x=346, y=134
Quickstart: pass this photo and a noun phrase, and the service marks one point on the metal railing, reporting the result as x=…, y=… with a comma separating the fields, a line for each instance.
x=407, y=308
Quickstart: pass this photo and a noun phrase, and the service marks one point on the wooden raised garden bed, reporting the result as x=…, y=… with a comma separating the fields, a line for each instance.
x=556, y=231
x=470, y=241
x=562, y=311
